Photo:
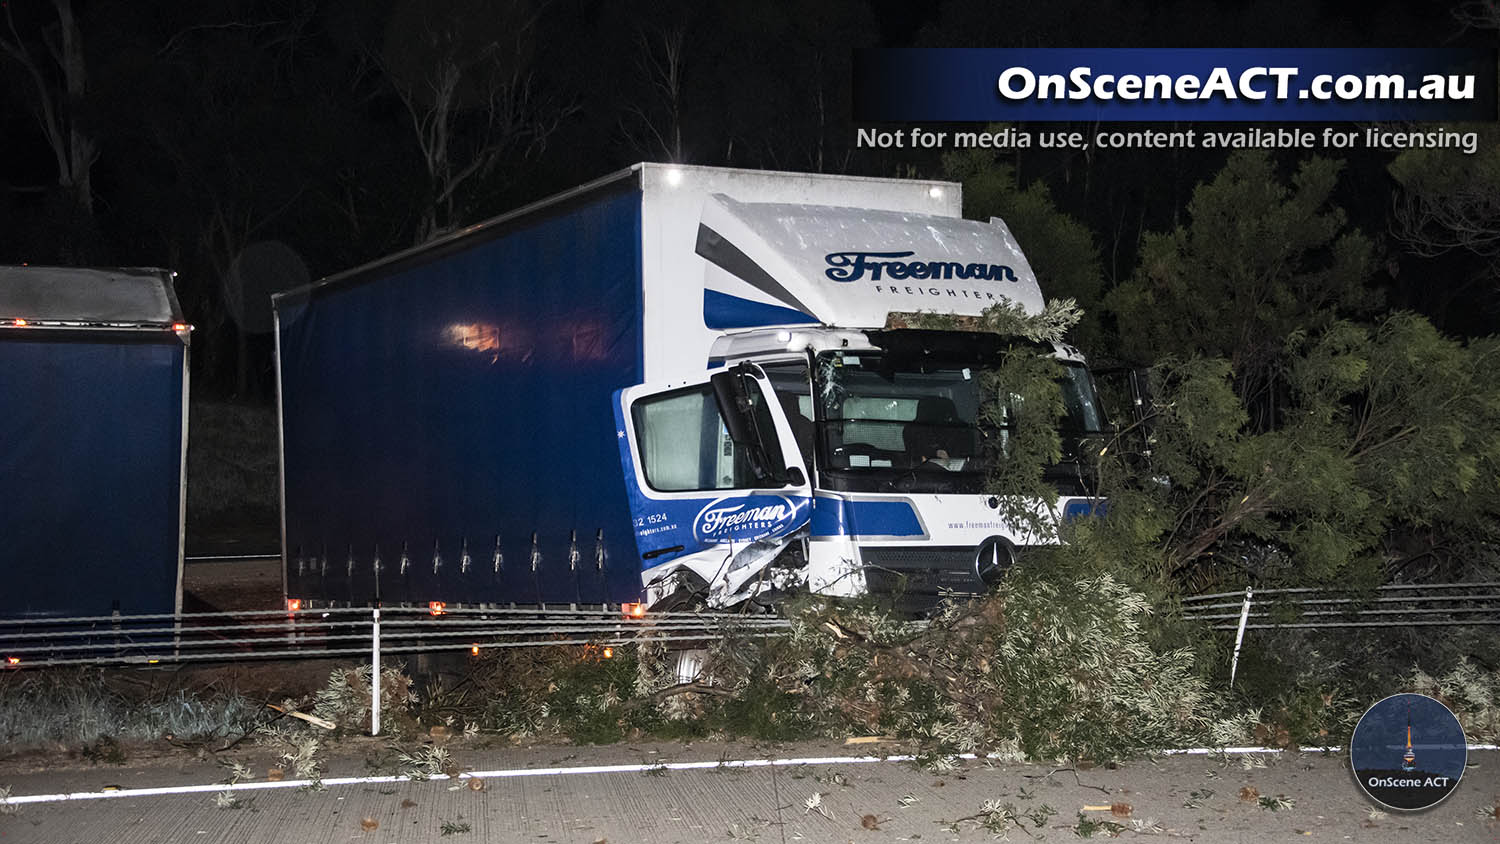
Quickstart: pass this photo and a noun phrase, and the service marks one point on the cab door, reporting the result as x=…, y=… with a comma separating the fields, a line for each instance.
x=709, y=464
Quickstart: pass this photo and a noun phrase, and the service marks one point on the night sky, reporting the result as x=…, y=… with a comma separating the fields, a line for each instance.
x=209, y=128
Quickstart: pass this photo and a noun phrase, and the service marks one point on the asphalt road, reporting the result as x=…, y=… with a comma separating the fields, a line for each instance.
x=524, y=798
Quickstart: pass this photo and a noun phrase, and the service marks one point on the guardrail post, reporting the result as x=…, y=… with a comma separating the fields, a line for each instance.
x=1239, y=635
x=375, y=671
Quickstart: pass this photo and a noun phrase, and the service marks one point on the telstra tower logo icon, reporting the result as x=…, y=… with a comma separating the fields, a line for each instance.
x=1408, y=752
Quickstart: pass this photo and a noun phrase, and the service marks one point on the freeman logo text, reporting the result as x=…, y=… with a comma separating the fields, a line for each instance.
x=854, y=266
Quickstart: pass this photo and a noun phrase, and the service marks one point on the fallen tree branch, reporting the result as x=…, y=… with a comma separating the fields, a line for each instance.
x=679, y=689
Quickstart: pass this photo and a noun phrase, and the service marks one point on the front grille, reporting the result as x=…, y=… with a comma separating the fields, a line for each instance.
x=920, y=575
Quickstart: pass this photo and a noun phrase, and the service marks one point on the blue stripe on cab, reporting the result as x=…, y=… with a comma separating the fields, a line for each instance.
x=837, y=517
x=720, y=310
x=1080, y=507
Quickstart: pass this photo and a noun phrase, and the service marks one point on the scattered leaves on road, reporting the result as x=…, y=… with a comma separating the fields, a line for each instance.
x=1087, y=827
x=814, y=803
x=1277, y=803
x=833, y=778
x=1196, y=798
x=424, y=763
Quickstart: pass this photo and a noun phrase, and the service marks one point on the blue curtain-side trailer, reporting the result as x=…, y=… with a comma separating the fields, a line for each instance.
x=94, y=389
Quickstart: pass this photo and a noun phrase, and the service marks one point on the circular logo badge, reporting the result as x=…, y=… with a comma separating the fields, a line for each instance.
x=993, y=558
x=1408, y=752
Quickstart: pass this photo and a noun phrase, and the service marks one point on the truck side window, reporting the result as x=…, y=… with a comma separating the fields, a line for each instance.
x=684, y=445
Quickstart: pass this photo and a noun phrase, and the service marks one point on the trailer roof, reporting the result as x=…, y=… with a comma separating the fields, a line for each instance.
x=632, y=176
x=461, y=237
x=77, y=297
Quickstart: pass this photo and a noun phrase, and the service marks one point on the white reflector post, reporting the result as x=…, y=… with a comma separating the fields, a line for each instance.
x=375, y=672
x=1239, y=636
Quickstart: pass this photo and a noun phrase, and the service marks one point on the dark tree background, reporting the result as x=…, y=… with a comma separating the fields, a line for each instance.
x=179, y=134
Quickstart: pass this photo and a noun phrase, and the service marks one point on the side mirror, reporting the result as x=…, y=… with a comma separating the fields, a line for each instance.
x=732, y=395
x=733, y=399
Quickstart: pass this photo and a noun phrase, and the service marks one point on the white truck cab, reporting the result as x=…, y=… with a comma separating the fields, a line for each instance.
x=821, y=446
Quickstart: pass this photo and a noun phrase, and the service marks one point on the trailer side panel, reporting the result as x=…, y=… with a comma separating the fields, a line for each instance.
x=90, y=472
x=455, y=406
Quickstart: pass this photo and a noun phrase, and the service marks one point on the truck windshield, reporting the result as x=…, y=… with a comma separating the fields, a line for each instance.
x=904, y=424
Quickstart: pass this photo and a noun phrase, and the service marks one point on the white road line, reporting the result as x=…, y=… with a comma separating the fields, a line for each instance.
x=209, y=788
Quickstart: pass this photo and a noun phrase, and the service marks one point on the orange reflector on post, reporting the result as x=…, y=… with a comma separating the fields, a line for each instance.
x=474, y=650
x=609, y=653
x=633, y=610
x=437, y=607
x=293, y=604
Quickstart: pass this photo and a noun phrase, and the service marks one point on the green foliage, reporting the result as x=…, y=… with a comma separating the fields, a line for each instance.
x=1259, y=261
x=1288, y=445
x=80, y=708
x=1007, y=319
x=422, y=763
x=587, y=699
x=562, y=690
x=1083, y=677
x=1386, y=431
x=1312, y=686
x=1021, y=402
x=1088, y=827
x=762, y=710
x=1049, y=666
x=345, y=700
x=1448, y=203
x=1472, y=692
x=298, y=748
x=1060, y=249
